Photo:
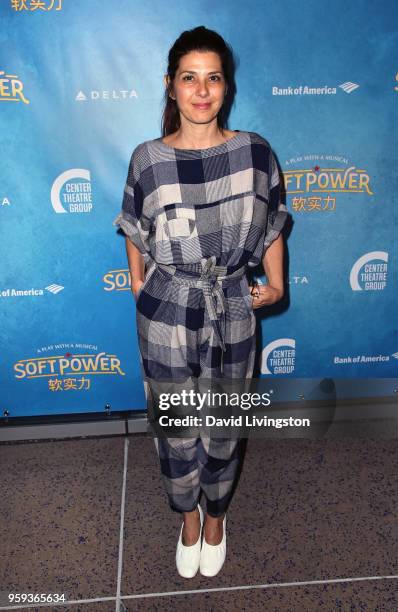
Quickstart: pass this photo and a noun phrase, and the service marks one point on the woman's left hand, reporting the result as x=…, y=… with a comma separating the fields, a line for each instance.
x=265, y=295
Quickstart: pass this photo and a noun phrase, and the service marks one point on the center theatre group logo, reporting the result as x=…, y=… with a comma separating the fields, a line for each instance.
x=279, y=356
x=315, y=189
x=69, y=190
x=69, y=371
x=369, y=272
x=11, y=88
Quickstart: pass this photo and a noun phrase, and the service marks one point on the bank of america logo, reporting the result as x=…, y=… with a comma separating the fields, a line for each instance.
x=395, y=355
x=81, y=97
x=349, y=87
x=54, y=288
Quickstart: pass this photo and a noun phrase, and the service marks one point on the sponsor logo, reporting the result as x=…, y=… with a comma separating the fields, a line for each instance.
x=68, y=366
x=337, y=360
x=69, y=189
x=316, y=188
x=11, y=88
x=113, y=94
x=349, y=87
x=36, y=5
x=369, y=272
x=293, y=280
x=32, y=291
x=305, y=90
x=54, y=288
x=298, y=280
x=278, y=357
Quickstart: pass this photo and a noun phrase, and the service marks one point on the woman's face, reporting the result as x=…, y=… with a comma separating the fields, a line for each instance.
x=199, y=86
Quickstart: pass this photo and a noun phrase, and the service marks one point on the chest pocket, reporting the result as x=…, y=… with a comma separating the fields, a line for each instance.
x=176, y=224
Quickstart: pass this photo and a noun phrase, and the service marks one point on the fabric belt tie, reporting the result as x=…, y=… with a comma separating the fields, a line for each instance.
x=208, y=277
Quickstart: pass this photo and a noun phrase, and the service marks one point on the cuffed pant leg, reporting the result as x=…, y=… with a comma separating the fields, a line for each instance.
x=180, y=471
x=219, y=460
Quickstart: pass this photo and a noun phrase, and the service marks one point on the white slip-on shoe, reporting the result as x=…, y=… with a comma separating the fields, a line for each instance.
x=212, y=556
x=188, y=557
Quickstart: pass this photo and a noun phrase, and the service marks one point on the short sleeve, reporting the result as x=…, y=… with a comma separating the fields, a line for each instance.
x=277, y=211
x=132, y=219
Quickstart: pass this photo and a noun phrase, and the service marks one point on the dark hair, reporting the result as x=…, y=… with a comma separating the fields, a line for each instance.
x=198, y=39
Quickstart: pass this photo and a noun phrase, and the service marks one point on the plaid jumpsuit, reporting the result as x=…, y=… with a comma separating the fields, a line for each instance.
x=200, y=218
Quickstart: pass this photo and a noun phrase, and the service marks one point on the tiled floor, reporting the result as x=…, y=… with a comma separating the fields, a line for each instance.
x=305, y=514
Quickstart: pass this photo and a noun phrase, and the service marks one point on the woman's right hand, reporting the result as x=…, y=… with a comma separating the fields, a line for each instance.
x=135, y=287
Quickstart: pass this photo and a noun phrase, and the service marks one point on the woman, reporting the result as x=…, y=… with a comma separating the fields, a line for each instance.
x=201, y=205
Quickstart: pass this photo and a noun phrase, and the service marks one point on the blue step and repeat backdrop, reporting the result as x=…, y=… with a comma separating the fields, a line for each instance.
x=81, y=86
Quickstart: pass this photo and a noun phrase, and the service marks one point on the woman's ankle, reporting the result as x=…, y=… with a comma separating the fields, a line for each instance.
x=192, y=514
x=214, y=519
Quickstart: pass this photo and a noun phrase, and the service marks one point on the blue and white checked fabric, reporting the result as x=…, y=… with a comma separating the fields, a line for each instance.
x=210, y=212
x=200, y=218
x=182, y=205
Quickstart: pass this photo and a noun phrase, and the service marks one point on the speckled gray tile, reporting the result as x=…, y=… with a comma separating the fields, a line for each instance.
x=376, y=596
x=303, y=510
x=60, y=516
x=315, y=520
x=97, y=606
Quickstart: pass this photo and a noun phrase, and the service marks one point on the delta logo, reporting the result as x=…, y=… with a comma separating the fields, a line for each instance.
x=106, y=94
